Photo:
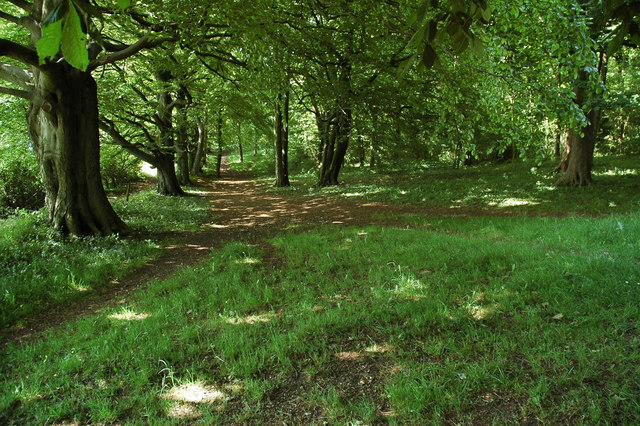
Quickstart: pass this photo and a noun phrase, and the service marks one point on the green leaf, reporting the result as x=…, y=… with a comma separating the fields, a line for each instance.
x=478, y=46
x=123, y=4
x=74, y=40
x=419, y=15
x=49, y=43
x=432, y=29
x=429, y=56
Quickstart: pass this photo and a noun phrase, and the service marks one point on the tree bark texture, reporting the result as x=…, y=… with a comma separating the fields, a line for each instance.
x=219, y=142
x=281, y=131
x=167, y=179
x=240, y=142
x=168, y=182
x=577, y=160
x=201, y=150
x=63, y=122
x=336, y=144
x=182, y=151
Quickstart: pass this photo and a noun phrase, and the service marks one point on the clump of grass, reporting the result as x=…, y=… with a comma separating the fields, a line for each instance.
x=40, y=268
x=464, y=322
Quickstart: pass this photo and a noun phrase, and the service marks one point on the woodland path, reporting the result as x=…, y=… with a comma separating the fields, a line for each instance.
x=241, y=210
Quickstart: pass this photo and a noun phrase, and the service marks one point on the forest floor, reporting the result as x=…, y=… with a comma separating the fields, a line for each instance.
x=286, y=307
x=241, y=210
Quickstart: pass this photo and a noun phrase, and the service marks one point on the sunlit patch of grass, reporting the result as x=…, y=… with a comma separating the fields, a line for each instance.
x=154, y=212
x=513, y=187
x=461, y=320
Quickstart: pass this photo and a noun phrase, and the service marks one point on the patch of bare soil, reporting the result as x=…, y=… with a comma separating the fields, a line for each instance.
x=241, y=211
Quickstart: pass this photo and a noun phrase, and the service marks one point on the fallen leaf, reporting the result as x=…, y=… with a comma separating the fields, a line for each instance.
x=558, y=317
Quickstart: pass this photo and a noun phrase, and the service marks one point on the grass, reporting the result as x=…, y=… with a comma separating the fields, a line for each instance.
x=39, y=268
x=489, y=320
x=513, y=188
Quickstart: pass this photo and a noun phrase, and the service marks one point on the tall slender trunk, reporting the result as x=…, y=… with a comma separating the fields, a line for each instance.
x=63, y=122
x=374, y=146
x=336, y=146
x=240, y=142
x=281, y=132
x=201, y=150
x=219, y=142
x=182, y=153
x=168, y=182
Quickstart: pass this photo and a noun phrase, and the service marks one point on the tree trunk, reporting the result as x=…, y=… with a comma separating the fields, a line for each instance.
x=240, y=142
x=183, y=155
x=63, y=122
x=219, y=141
x=201, y=150
x=577, y=160
x=281, y=131
x=342, y=136
x=336, y=147
x=168, y=183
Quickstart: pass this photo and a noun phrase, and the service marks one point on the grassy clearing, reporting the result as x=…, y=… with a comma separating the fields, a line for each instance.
x=509, y=188
x=39, y=268
x=482, y=320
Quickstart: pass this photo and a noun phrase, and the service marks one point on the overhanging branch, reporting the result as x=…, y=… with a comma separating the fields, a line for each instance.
x=16, y=75
x=110, y=128
x=143, y=43
x=24, y=5
x=15, y=92
x=18, y=52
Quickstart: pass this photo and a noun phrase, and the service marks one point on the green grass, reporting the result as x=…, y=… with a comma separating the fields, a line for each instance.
x=39, y=268
x=513, y=188
x=489, y=320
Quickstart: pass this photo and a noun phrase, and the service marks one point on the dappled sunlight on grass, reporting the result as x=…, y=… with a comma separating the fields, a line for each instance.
x=362, y=325
x=349, y=356
x=513, y=202
x=504, y=189
x=181, y=411
x=409, y=287
x=129, y=315
x=252, y=319
x=379, y=348
x=615, y=171
x=196, y=393
x=248, y=261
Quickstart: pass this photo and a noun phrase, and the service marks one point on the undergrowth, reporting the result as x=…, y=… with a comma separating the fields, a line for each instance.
x=40, y=268
x=466, y=321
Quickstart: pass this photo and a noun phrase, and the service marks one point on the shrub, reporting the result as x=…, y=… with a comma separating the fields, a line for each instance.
x=20, y=185
x=118, y=167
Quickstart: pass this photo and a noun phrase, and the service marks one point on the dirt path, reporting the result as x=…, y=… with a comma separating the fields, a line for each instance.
x=241, y=211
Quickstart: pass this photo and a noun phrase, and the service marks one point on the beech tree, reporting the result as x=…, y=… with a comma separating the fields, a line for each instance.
x=50, y=63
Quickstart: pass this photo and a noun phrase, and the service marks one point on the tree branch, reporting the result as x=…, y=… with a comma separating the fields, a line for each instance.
x=16, y=92
x=24, y=5
x=16, y=75
x=18, y=52
x=9, y=18
x=24, y=21
x=109, y=128
x=127, y=51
